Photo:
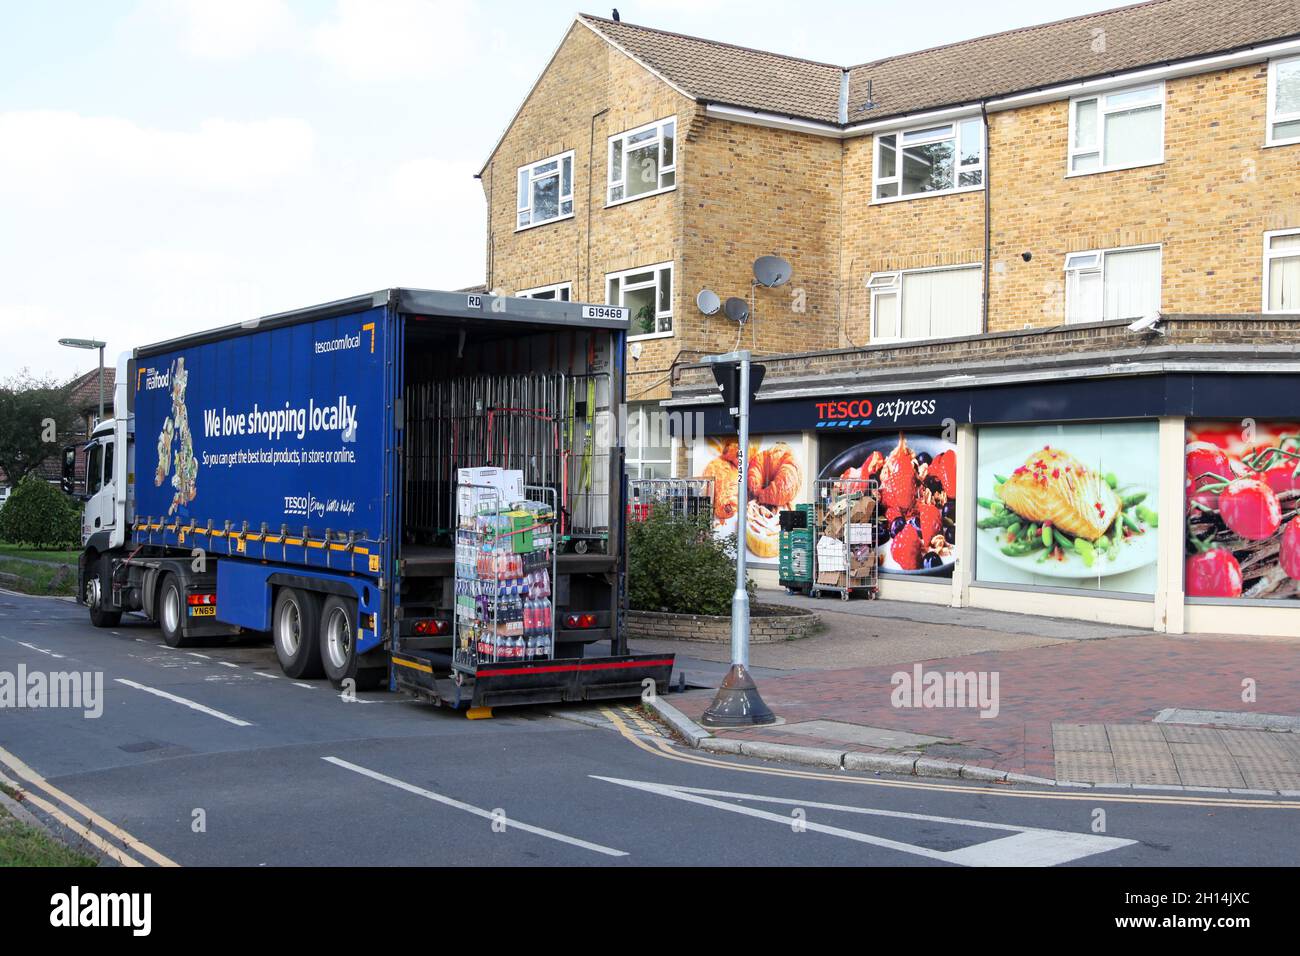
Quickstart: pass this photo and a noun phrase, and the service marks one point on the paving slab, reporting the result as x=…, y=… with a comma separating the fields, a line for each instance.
x=1081, y=710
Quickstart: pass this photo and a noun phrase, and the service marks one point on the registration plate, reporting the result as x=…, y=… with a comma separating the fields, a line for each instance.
x=203, y=610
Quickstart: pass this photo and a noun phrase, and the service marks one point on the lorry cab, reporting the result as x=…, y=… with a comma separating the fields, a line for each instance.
x=99, y=490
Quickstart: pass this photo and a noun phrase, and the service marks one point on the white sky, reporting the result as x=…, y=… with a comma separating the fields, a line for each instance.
x=172, y=165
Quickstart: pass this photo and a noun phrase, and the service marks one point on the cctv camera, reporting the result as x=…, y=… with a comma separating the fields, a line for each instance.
x=1148, y=323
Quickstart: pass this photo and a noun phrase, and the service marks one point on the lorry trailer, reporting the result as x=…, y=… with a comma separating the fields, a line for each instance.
x=297, y=474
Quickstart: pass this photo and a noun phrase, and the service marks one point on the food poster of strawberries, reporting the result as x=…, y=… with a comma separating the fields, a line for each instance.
x=916, y=506
x=1069, y=506
x=1243, y=510
x=776, y=475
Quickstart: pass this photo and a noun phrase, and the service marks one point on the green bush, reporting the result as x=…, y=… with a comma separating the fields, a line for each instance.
x=39, y=515
x=675, y=564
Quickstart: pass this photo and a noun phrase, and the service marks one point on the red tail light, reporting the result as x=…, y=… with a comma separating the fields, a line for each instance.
x=431, y=626
x=202, y=599
x=580, y=620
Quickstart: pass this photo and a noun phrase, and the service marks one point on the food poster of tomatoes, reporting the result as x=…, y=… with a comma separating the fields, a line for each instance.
x=1069, y=506
x=1243, y=510
x=916, y=502
x=776, y=476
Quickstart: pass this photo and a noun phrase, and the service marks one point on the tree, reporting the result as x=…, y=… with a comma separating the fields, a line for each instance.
x=34, y=414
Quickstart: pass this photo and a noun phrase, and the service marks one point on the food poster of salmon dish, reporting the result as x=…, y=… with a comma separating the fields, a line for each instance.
x=916, y=495
x=1243, y=510
x=1069, y=506
x=775, y=476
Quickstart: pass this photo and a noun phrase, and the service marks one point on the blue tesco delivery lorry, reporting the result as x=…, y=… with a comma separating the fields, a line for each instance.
x=296, y=474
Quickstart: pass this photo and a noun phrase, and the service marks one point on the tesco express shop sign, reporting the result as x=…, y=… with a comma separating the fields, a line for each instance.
x=911, y=410
x=861, y=412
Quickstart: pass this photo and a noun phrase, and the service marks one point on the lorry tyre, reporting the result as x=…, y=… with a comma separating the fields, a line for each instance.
x=98, y=589
x=171, y=612
x=295, y=624
x=338, y=645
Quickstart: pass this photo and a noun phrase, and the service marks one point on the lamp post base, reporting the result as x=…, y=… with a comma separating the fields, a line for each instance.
x=737, y=703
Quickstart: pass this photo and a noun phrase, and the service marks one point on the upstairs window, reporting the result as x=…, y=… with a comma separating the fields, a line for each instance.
x=648, y=294
x=1104, y=285
x=1282, y=271
x=1284, y=102
x=926, y=304
x=928, y=160
x=559, y=292
x=1117, y=130
x=545, y=191
x=643, y=161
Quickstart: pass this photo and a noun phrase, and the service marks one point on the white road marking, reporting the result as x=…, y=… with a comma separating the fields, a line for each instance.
x=1028, y=846
x=301, y=684
x=198, y=655
x=228, y=664
x=33, y=647
x=265, y=674
x=192, y=704
x=470, y=808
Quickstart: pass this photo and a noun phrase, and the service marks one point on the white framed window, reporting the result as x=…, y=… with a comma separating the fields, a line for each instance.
x=929, y=160
x=559, y=292
x=648, y=294
x=1102, y=285
x=926, y=303
x=649, y=446
x=1283, y=102
x=545, y=191
x=1282, y=271
x=643, y=161
x=1117, y=130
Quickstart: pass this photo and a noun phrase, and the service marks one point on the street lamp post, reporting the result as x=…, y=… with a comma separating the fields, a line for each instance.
x=737, y=703
x=91, y=344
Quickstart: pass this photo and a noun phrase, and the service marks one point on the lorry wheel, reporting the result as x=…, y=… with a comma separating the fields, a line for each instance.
x=338, y=645
x=295, y=624
x=171, y=610
x=98, y=589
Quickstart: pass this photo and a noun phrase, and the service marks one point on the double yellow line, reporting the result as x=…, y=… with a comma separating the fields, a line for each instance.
x=663, y=748
x=93, y=828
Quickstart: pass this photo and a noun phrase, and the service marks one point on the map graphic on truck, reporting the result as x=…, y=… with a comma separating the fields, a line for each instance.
x=177, y=426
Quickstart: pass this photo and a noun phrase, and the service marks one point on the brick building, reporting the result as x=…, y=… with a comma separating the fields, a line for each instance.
x=978, y=223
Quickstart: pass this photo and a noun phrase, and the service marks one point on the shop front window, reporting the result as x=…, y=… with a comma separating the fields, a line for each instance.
x=1069, y=507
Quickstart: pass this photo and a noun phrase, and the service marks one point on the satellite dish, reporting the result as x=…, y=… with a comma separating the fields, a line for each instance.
x=708, y=301
x=772, y=271
x=736, y=309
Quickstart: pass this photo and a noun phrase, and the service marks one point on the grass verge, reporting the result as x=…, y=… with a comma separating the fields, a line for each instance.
x=35, y=554
x=38, y=577
x=23, y=845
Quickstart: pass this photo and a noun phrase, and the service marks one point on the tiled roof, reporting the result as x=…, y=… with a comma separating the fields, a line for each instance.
x=1097, y=44
x=83, y=391
x=723, y=73
x=1113, y=41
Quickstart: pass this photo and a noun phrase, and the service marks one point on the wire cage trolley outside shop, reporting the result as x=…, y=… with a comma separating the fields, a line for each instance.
x=845, y=561
x=683, y=497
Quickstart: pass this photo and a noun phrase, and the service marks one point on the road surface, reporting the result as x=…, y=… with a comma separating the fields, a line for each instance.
x=210, y=756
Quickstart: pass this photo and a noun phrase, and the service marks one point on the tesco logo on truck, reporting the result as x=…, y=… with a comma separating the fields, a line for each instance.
x=153, y=379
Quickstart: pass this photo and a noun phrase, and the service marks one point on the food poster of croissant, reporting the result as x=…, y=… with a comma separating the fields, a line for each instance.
x=1243, y=510
x=1069, y=506
x=916, y=481
x=776, y=475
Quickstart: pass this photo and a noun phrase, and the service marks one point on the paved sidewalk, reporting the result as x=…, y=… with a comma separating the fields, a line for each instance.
x=1082, y=710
